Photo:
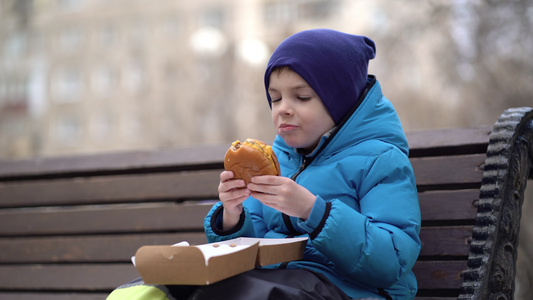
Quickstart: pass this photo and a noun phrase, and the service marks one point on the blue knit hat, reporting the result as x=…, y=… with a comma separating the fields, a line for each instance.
x=333, y=63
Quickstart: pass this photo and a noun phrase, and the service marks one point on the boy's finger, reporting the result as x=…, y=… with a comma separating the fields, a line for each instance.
x=226, y=175
x=266, y=179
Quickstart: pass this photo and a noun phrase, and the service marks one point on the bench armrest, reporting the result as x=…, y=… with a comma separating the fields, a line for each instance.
x=493, y=252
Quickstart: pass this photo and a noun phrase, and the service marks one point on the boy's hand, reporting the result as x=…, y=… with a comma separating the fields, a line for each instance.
x=283, y=194
x=232, y=192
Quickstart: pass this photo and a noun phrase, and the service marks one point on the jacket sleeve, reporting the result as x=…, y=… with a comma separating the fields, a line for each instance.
x=379, y=244
x=213, y=225
x=251, y=223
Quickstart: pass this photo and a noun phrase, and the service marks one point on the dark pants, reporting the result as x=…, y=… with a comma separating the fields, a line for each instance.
x=262, y=284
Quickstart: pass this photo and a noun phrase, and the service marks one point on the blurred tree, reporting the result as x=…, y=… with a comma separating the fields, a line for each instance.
x=500, y=55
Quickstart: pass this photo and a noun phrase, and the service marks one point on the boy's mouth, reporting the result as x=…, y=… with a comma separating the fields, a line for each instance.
x=286, y=127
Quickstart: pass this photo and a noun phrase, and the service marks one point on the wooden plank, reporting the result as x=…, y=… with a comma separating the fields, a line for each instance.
x=86, y=249
x=439, y=274
x=460, y=169
x=111, y=189
x=101, y=219
x=448, y=205
x=97, y=277
x=436, y=241
x=446, y=241
x=448, y=137
x=74, y=277
x=52, y=296
x=118, y=162
x=435, y=206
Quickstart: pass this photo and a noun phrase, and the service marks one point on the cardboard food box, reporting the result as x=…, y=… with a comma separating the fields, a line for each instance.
x=273, y=251
x=208, y=263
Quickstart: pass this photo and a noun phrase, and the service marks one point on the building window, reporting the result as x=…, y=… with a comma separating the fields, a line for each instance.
x=130, y=126
x=138, y=34
x=290, y=11
x=67, y=85
x=316, y=10
x=15, y=45
x=69, y=6
x=67, y=130
x=212, y=17
x=133, y=78
x=14, y=94
x=171, y=27
x=70, y=39
x=37, y=42
x=107, y=35
x=279, y=11
x=103, y=80
x=101, y=126
x=3, y=88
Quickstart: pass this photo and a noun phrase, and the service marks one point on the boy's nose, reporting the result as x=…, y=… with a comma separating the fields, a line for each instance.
x=285, y=108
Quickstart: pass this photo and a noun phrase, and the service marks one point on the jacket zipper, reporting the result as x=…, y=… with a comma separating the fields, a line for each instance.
x=305, y=162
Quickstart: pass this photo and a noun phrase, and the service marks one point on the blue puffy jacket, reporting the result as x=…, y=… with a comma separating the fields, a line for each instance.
x=363, y=229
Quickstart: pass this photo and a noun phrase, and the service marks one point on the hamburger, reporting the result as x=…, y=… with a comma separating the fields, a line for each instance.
x=251, y=158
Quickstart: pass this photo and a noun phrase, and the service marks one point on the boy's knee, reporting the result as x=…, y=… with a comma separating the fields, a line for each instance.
x=137, y=290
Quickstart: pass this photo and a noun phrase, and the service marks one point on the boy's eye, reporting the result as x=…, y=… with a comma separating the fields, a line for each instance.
x=304, y=98
x=275, y=100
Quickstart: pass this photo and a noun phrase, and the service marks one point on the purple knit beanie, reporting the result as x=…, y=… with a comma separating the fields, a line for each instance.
x=334, y=64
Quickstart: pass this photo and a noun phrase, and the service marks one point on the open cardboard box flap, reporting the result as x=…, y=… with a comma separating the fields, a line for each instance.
x=209, y=263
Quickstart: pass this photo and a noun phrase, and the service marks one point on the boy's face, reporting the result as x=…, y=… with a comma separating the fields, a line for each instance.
x=298, y=113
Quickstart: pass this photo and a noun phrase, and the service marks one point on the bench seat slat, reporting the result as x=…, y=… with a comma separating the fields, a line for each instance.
x=186, y=158
x=86, y=249
x=104, y=219
x=448, y=205
x=137, y=217
x=72, y=277
x=111, y=189
x=445, y=241
x=125, y=218
x=119, y=248
x=101, y=277
x=460, y=169
x=446, y=137
x=439, y=274
x=454, y=141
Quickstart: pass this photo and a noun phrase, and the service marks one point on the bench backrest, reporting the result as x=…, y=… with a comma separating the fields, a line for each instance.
x=69, y=225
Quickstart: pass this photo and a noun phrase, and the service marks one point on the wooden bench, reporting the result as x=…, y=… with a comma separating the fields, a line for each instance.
x=69, y=225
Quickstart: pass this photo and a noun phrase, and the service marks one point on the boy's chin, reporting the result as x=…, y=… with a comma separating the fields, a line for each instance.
x=293, y=143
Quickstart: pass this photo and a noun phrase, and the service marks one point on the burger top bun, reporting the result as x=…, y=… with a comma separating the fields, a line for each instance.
x=251, y=158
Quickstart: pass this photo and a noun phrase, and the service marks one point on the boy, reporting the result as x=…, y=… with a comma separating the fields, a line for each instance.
x=346, y=179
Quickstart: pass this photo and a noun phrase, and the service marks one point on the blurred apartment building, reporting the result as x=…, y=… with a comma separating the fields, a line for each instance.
x=86, y=76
